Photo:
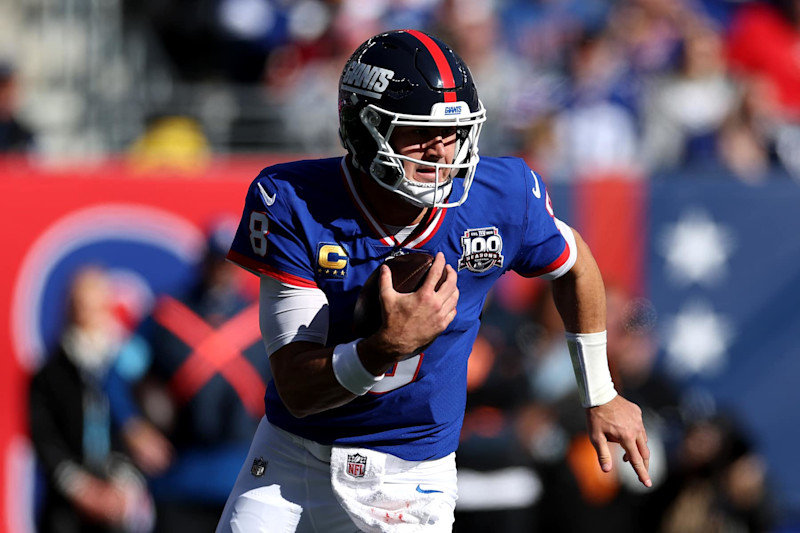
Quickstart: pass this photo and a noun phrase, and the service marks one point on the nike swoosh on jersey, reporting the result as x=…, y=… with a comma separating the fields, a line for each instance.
x=423, y=491
x=536, y=190
x=269, y=200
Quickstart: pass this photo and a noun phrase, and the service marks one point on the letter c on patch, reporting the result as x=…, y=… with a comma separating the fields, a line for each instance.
x=332, y=256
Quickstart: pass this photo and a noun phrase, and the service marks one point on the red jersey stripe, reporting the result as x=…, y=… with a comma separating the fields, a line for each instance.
x=261, y=268
x=560, y=260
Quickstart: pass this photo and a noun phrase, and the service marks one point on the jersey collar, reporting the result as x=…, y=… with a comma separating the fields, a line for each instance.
x=417, y=239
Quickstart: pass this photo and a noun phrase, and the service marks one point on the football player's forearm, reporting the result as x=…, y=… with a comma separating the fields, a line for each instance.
x=305, y=380
x=579, y=295
x=580, y=299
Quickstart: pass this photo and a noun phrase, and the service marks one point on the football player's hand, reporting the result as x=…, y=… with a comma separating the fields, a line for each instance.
x=414, y=320
x=620, y=421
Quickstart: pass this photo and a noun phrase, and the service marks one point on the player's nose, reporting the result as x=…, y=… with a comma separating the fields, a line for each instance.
x=435, y=147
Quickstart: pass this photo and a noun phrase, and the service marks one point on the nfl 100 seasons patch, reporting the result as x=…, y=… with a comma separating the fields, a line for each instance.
x=481, y=249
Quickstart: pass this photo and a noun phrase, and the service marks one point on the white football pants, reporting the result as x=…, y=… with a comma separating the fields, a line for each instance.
x=285, y=487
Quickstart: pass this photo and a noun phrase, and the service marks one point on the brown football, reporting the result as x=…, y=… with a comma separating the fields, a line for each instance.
x=408, y=273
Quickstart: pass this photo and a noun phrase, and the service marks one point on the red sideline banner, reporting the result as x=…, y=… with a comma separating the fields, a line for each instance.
x=55, y=219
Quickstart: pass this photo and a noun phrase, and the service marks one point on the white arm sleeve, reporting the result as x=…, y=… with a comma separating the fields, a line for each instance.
x=288, y=313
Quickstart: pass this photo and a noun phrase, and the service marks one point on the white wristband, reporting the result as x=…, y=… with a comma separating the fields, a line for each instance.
x=349, y=370
x=590, y=362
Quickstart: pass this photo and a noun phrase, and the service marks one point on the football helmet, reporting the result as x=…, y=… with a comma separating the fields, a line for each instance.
x=409, y=78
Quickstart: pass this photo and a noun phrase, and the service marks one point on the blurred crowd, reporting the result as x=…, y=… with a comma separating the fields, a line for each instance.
x=579, y=88
x=142, y=428
x=141, y=424
x=526, y=463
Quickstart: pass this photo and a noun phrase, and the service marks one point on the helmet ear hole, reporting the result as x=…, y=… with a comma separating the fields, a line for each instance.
x=371, y=117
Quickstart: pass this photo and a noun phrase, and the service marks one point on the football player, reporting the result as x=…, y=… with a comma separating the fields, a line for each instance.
x=358, y=435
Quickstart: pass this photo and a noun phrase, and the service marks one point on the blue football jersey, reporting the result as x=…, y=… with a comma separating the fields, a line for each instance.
x=304, y=223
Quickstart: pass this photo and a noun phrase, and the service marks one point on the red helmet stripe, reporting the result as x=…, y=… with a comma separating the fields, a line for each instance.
x=441, y=63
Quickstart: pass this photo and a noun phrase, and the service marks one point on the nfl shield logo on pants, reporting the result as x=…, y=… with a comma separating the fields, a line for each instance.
x=259, y=467
x=356, y=465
